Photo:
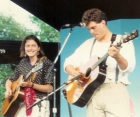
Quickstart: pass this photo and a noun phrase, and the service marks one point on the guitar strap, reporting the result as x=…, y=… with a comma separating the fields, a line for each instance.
x=103, y=63
x=92, y=47
x=117, y=70
x=113, y=38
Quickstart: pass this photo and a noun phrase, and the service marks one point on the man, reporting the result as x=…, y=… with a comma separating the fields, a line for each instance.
x=111, y=98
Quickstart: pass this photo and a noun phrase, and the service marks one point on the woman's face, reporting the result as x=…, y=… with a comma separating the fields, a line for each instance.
x=31, y=48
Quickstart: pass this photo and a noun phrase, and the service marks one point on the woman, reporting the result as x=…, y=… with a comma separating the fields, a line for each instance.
x=34, y=83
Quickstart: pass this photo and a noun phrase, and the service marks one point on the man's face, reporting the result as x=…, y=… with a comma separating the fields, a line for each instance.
x=97, y=29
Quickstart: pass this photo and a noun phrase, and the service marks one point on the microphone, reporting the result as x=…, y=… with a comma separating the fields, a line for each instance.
x=81, y=24
x=2, y=51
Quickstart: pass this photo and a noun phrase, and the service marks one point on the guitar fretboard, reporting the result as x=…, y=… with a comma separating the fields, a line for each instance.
x=99, y=61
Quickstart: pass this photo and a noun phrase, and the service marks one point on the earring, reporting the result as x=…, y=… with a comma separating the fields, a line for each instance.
x=25, y=55
x=38, y=53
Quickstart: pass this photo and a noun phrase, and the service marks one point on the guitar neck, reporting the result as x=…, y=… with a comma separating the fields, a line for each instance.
x=103, y=58
x=122, y=40
x=99, y=61
x=36, y=68
x=27, y=76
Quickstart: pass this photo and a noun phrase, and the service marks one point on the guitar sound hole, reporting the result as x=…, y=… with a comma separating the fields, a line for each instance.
x=88, y=72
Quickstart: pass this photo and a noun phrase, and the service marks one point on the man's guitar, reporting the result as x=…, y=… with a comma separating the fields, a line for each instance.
x=80, y=91
x=11, y=105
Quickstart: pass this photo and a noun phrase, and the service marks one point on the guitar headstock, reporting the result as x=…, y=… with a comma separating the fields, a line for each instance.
x=130, y=36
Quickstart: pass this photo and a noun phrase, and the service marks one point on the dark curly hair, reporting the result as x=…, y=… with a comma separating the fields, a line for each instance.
x=95, y=15
x=31, y=37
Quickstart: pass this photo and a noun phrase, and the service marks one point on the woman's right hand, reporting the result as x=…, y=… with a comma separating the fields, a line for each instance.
x=8, y=93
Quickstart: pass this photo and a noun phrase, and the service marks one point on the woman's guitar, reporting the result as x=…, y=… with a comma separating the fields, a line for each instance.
x=11, y=105
x=80, y=91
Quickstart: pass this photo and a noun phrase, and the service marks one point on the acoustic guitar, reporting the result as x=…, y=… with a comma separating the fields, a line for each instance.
x=12, y=105
x=80, y=91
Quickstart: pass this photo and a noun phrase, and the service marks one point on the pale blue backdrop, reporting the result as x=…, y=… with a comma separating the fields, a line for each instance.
x=78, y=36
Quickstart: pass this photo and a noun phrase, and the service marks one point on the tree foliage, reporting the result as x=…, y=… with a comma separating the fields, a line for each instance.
x=6, y=70
x=45, y=32
x=11, y=30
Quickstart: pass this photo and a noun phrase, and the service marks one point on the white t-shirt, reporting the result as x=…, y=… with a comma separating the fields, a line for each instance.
x=85, y=52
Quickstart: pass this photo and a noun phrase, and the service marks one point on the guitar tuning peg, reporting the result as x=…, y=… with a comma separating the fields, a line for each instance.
x=126, y=34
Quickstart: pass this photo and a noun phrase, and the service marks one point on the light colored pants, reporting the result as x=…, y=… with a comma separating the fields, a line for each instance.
x=109, y=100
x=45, y=110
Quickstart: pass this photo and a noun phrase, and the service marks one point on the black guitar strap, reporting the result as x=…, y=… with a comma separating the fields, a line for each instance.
x=104, y=62
x=117, y=70
x=113, y=38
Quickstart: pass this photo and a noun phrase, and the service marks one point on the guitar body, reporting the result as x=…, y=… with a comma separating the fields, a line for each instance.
x=11, y=105
x=80, y=91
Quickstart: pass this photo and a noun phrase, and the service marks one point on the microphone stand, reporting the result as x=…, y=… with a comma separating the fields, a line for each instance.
x=69, y=107
x=39, y=106
x=52, y=66
x=65, y=41
x=54, y=99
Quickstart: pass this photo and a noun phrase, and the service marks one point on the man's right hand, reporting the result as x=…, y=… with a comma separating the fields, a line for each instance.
x=76, y=73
